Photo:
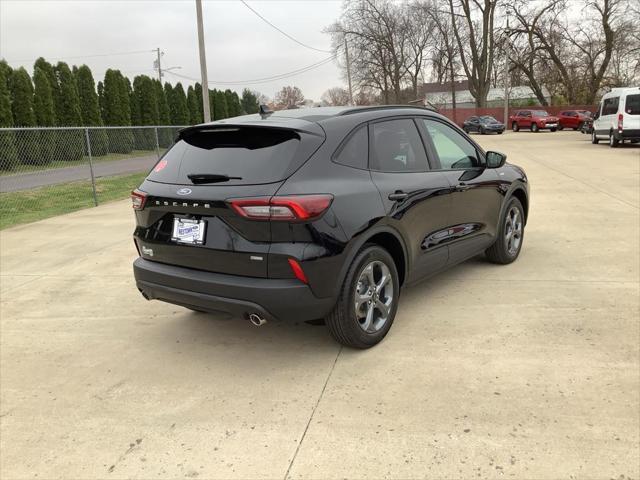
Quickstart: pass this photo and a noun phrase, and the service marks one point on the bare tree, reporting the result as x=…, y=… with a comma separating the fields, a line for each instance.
x=336, y=96
x=289, y=97
x=573, y=58
x=475, y=36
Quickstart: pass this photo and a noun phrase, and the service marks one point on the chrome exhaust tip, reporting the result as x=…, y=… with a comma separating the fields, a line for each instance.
x=257, y=320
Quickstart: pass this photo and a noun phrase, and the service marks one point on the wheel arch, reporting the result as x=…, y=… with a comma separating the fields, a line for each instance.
x=521, y=195
x=386, y=237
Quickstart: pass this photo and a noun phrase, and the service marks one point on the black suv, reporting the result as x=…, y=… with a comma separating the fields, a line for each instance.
x=321, y=213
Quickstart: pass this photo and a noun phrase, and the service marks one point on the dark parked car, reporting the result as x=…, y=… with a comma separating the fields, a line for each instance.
x=483, y=124
x=321, y=213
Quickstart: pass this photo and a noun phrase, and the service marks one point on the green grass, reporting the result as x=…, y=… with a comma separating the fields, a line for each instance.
x=22, y=168
x=32, y=205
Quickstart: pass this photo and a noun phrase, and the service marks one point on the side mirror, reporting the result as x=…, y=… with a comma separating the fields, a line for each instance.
x=495, y=159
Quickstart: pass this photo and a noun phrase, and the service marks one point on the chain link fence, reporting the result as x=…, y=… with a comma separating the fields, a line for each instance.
x=48, y=171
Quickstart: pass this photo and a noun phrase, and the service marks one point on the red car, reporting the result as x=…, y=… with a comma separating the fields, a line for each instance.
x=573, y=119
x=533, y=120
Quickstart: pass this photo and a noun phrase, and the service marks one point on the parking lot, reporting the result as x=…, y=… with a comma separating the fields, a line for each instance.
x=530, y=370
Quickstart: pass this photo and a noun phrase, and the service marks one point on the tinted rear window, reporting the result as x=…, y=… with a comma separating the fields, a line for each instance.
x=632, y=105
x=257, y=155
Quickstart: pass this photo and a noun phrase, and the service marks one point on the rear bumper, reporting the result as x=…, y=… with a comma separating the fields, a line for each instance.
x=273, y=299
x=630, y=134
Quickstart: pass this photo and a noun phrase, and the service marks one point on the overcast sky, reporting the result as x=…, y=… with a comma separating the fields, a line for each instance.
x=239, y=45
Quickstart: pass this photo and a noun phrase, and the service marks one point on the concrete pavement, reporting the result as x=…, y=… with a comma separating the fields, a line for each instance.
x=530, y=370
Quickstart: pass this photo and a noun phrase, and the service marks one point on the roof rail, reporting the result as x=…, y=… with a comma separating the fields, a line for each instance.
x=373, y=108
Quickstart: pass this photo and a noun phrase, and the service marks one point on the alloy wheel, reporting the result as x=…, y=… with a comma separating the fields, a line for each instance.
x=373, y=297
x=513, y=230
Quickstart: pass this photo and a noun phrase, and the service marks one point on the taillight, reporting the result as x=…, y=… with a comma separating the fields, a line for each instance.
x=297, y=270
x=285, y=208
x=138, y=199
x=620, y=121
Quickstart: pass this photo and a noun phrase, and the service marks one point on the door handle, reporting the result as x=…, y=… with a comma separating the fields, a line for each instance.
x=462, y=187
x=398, y=196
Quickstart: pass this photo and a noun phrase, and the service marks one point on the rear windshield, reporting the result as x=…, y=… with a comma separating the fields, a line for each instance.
x=632, y=104
x=489, y=118
x=251, y=154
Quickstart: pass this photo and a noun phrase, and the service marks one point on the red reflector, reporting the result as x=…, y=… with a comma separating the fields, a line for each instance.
x=297, y=271
x=160, y=165
x=283, y=208
x=620, y=121
x=138, y=199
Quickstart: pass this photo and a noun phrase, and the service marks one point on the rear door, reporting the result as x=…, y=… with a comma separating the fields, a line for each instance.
x=416, y=199
x=476, y=197
x=631, y=112
x=187, y=221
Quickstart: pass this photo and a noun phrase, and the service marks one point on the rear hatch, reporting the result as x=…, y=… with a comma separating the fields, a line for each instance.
x=186, y=219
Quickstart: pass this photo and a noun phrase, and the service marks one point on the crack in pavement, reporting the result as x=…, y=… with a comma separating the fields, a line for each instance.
x=313, y=412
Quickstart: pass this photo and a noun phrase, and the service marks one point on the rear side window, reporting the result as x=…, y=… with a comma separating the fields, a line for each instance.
x=397, y=147
x=355, y=152
x=610, y=106
x=254, y=154
x=632, y=104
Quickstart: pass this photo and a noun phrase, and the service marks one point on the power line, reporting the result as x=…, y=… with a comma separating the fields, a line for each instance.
x=263, y=79
x=92, y=56
x=282, y=31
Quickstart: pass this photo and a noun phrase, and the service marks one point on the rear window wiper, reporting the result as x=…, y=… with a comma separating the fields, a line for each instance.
x=198, y=178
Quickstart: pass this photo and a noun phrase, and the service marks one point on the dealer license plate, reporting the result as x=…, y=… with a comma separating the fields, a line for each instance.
x=186, y=230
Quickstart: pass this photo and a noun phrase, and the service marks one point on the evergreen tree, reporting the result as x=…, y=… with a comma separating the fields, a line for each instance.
x=117, y=112
x=197, y=88
x=212, y=103
x=192, y=102
x=146, y=110
x=249, y=101
x=49, y=72
x=178, y=106
x=220, y=110
x=68, y=114
x=101, y=100
x=45, y=115
x=24, y=116
x=8, y=151
x=90, y=110
x=233, y=103
x=165, y=136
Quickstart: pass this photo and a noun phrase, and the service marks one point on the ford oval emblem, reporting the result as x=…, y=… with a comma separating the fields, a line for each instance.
x=184, y=191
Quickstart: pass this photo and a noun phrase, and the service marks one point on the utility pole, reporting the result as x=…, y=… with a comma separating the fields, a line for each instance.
x=159, y=66
x=203, y=64
x=506, y=74
x=346, y=51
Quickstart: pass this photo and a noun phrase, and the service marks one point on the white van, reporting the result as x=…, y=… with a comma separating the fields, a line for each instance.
x=618, y=118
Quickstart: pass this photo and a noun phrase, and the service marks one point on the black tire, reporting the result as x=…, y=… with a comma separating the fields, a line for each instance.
x=342, y=322
x=466, y=130
x=595, y=140
x=534, y=128
x=499, y=252
x=482, y=131
x=552, y=129
x=560, y=127
x=613, y=141
x=515, y=127
x=500, y=132
x=575, y=128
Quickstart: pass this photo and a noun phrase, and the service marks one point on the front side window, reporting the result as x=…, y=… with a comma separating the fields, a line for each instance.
x=397, y=147
x=355, y=152
x=632, y=105
x=454, y=151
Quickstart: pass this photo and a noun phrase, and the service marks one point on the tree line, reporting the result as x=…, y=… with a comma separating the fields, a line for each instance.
x=57, y=95
x=574, y=49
